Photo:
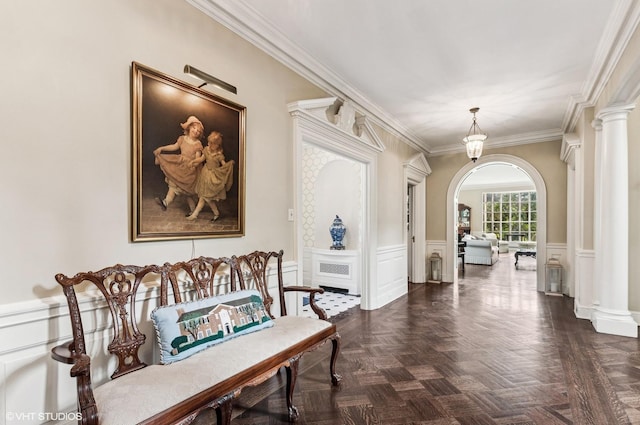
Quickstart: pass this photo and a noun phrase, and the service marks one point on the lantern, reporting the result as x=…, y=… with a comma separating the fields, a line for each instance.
x=435, y=268
x=555, y=272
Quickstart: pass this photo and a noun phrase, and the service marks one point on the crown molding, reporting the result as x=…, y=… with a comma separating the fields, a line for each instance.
x=243, y=20
x=620, y=28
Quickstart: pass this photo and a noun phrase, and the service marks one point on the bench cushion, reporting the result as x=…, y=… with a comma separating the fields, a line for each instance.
x=186, y=328
x=157, y=387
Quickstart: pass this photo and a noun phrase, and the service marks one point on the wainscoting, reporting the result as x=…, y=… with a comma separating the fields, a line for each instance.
x=585, y=299
x=392, y=278
x=32, y=385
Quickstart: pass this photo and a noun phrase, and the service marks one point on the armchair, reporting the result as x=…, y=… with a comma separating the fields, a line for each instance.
x=480, y=251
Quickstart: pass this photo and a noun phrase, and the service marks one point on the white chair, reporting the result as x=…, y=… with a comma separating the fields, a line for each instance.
x=491, y=237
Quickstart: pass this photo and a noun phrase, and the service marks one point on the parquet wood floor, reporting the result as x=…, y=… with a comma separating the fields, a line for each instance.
x=490, y=350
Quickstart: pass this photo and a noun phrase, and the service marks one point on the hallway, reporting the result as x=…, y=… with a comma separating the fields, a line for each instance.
x=492, y=351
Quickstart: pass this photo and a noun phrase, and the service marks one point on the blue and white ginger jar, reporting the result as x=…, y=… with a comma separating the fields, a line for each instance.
x=337, y=231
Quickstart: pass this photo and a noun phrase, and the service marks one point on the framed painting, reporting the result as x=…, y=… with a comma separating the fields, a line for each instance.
x=188, y=160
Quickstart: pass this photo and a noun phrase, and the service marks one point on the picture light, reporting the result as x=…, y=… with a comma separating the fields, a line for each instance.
x=209, y=79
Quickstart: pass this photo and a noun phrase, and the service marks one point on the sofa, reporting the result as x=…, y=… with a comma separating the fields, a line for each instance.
x=480, y=251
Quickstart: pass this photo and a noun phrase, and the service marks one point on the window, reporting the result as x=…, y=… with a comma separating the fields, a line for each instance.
x=510, y=215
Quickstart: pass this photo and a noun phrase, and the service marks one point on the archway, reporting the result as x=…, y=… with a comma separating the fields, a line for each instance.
x=451, y=219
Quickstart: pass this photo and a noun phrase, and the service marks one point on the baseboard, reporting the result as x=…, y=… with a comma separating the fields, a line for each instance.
x=615, y=324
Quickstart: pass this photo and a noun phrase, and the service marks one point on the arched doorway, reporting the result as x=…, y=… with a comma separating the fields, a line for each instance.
x=451, y=220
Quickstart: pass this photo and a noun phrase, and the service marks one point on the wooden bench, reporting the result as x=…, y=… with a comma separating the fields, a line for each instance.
x=177, y=392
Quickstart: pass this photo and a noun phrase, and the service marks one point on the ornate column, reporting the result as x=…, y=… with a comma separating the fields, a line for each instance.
x=612, y=316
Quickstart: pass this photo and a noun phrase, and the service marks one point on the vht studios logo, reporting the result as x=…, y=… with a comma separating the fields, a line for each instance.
x=43, y=416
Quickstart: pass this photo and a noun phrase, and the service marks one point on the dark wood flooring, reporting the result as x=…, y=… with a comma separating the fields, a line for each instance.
x=490, y=350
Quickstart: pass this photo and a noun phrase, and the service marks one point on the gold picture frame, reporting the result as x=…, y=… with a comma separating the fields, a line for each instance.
x=176, y=184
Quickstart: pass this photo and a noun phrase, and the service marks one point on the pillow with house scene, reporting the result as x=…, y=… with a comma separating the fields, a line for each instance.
x=186, y=328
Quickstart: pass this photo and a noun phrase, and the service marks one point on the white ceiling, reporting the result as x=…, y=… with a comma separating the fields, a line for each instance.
x=420, y=65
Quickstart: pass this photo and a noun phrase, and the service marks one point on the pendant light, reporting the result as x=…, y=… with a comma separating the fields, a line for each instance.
x=475, y=138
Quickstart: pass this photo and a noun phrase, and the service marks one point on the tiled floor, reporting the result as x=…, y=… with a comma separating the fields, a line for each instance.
x=333, y=303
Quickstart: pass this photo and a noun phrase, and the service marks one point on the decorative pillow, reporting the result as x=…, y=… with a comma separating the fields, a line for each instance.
x=184, y=329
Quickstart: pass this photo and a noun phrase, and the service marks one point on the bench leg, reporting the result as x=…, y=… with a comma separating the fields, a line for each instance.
x=292, y=375
x=335, y=378
x=223, y=412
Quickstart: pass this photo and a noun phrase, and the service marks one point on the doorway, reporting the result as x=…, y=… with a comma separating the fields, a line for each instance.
x=452, y=203
x=411, y=238
x=330, y=124
x=416, y=171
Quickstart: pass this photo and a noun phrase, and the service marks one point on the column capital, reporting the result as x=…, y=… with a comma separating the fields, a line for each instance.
x=597, y=124
x=615, y=112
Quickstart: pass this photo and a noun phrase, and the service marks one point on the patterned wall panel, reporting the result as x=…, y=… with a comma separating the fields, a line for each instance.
x=314, y=159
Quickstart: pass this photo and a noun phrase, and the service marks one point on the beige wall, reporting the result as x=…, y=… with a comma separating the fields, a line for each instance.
x=66, y=170
x=66, y=102
x=391, y=189
x=586, y=133
x=545, y=157
x=473, y=199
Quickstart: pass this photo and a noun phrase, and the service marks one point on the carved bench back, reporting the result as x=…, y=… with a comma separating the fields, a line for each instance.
x=119, y=286
x=203, y=275
x=253, y=273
